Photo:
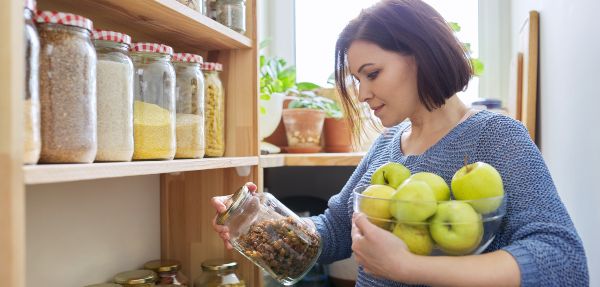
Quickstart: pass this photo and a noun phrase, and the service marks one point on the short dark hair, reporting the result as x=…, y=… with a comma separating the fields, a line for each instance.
x=409, y=27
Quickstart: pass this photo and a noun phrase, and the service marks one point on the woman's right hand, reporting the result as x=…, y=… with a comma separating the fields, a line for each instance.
x=218, y=202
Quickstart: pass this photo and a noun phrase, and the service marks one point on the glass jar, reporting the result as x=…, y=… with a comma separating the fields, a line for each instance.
x=269, y=234
x=232, y=13
x=31, y=113
x=209, y=9
x=169, y=272
x=190, y=106
x=154, y=105
x=105, y=285
x=214, y=110
x=67, y=88
x=114, y=82
x=192, y=4
x=218, y=273
x=137, y=278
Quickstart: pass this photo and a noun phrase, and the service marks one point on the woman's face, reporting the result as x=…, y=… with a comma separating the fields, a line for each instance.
x=388, y=81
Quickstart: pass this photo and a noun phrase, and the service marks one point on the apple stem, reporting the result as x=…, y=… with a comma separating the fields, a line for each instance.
x=467, y=163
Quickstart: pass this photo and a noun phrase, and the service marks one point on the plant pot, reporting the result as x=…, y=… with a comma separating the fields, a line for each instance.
x=338, y=136
x=278, y=137
x=303, y=129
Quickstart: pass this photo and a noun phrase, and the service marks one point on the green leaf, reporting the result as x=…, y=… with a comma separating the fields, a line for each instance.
x=265, y=97
x=478, y=66
x=307, y=86
x=263, y=110
x=264, y=43
x=454, y=26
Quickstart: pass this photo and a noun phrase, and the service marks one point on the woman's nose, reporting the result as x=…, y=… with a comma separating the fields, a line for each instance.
x=364, y=93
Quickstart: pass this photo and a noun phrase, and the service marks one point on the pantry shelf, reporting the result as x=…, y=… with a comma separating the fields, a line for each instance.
x=314, y=159
x=161, y=21
x=53, y=173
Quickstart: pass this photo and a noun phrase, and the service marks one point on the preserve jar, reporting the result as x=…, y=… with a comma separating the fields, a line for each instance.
x=67, y=88
x=114, y=83
x=190, y=106
x=214, y=110
x=169, y=272
x=218, y=273
x=232, y=13
x=270, y=235
x=31, y=112
x=137, y=278
x=154, y=105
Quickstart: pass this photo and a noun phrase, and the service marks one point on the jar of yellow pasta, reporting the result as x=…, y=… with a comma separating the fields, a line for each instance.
x=214, y=115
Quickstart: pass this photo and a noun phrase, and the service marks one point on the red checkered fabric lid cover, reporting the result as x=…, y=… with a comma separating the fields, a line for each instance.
x=152, y=48
x=208, y=66
x=64, y=19
x=112, y=36
x=187, y=57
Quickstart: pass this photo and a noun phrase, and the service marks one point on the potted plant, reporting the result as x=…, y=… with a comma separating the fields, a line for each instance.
x=336, y=129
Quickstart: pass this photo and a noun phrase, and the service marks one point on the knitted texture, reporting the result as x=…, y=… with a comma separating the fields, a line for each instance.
x=536, y=230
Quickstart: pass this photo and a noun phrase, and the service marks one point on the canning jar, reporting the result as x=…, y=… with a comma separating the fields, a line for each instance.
x=190, y=106
x=269, y=234
x=193, y=4
x=154, y=105
x=214, y=110
x=169, y=272
x=67, y=88
x=114, y=83
x=232, y=13
x=137, y=278
x=104, y=285
x=218, y=273
x=31, y=115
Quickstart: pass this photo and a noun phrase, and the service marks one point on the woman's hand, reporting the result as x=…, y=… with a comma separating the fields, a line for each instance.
x=218, y=202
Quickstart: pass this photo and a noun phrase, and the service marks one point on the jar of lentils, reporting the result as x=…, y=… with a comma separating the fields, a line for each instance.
x=67, y=88
x=214, y=110
x=31, y=113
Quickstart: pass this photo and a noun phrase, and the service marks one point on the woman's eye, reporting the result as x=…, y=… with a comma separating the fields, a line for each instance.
x=373, y=75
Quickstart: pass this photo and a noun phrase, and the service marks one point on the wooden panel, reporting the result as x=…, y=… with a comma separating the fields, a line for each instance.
x=163, y=21
x=529, y=46
x=315, y=159
x=12, y=199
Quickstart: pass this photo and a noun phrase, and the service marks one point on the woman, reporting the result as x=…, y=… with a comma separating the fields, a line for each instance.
x=406, y=64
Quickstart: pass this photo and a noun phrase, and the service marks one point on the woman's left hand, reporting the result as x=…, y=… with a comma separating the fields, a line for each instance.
x=380, y=252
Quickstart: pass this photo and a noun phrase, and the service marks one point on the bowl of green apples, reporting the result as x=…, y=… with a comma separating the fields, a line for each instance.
x=429, y=216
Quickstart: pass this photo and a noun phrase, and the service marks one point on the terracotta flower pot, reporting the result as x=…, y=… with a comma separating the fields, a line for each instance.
x=303, y=129
x=338, y=136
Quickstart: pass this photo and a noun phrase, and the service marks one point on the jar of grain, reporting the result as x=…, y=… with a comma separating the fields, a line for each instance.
x=192, y=4
x=31, y=115
x=232, y=13
x=218, y=273
x=67, y=88
x=190, y=106
x=154, y=105
x=214, y=110
x=169, y=272
x=137, y=278
x=114, y=77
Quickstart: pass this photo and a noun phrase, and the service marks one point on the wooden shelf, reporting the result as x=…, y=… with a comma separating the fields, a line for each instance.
x=314, y=159
x=163, y=21
x=53, y=173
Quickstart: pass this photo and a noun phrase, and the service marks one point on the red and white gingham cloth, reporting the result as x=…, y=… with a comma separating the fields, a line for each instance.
x=64, y=19
x=30, y=4
x=112, y=36
x=152, y=48
x=187, y=57
x=208, y=66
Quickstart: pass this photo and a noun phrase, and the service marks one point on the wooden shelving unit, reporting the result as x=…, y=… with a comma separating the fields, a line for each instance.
x=315, y=159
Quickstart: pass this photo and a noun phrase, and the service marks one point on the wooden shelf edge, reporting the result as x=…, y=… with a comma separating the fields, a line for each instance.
x=315, y=159
x=54, y=173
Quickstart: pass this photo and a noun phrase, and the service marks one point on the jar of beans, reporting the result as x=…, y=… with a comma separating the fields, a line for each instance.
x=31, y=115
x=169, y=272
x=214, y=115
x=154, y=105
x=67, y=88
x=272, y=236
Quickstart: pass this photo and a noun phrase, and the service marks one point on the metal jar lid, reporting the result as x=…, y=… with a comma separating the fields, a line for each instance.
x=104, y=285
x=136, y=277
x=232, y=204
x=218, y=265
x=163, y=265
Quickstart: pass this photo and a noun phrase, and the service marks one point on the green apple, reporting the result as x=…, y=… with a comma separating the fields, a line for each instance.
x=413, y=201
x=478, y=181
x=391, y=173
x=376, y=203
x=436, y=183
x=416, y=237
x=456, y=227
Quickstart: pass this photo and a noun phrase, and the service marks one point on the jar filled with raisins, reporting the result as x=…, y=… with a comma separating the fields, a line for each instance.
x=272, y=236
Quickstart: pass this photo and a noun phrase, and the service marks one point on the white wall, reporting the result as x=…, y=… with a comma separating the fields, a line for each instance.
x=276, y=22
x=570, y=108
x=85, y=232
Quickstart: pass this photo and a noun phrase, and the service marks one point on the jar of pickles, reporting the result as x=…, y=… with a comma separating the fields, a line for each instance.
x=31, y=113
x=67, y=88
x=214, y=114
x=190, y=106
x=137, y=278
x=169, y=272
x=232, y=13
x=114, y=76
x=154, y=105
x=218, y=273
x=269, y=234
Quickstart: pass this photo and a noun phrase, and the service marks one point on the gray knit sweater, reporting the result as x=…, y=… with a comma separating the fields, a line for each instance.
x=536, y=230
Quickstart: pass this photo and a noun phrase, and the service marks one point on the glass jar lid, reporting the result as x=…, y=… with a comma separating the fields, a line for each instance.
x=112, y=36
x=187, y=58
x=208, y=66
x=152, y=48
x=51, y=17
x=218, y=265
x=136, y=277
x=163, y=265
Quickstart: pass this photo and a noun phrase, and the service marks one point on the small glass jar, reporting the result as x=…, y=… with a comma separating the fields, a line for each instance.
x=192, y=4
x=214, y=110
x=232, y=13
x=190, y=106
x=209, y=9
x=269, y=234
x=154, y=105
x=169, y=272
x=67, y=88
x=114, y=82
x=105, y=285
x=218, y=273
x=31, y=112
x=137, y=278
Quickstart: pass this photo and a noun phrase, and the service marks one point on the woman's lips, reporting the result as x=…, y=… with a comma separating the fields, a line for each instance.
x=377, y=109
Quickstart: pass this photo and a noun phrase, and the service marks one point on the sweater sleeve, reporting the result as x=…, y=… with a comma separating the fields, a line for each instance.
x=541, y=235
